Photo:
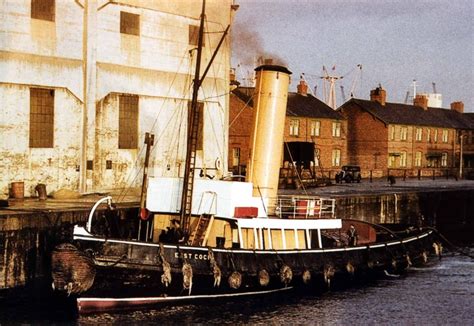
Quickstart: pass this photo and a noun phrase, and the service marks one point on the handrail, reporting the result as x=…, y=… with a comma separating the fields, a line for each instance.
x=305, y=207
x=108, y=199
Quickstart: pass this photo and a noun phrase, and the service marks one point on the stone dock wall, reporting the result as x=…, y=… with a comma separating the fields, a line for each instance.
x=27, y=238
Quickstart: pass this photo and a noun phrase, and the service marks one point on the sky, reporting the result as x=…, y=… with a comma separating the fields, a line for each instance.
x=395, y=42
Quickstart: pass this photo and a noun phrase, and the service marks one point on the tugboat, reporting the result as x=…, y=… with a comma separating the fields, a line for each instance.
x=200, y=238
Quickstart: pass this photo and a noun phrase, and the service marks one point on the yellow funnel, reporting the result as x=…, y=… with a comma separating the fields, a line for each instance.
x=266, y=143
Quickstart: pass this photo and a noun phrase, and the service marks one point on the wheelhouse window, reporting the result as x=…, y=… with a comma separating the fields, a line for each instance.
x=294, y=127
x=128, y=122
x=315, y=127
x=41, y=118
x=336, y=129
x=43, y=9
x=129, y=23
x=336, y=157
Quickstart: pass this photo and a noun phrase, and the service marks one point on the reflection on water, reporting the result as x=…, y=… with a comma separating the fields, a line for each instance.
x=441, y=294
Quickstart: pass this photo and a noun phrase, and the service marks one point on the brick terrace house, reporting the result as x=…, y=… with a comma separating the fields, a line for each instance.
x=406, y=140
x=312, y=128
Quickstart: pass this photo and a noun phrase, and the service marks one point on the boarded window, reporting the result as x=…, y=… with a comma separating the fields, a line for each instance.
x=43, y=9
x=128, y=122
x=41, y=118
x=194, y=35
x=129, y=23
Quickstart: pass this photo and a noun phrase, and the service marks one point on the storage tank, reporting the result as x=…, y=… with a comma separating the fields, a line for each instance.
x=266, y=143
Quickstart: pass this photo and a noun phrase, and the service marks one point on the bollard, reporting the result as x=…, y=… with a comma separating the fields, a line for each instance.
x=41, y=190
x=18, y=190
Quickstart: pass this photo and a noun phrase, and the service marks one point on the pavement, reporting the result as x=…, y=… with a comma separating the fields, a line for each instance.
x=376, y=187
x=381, y=186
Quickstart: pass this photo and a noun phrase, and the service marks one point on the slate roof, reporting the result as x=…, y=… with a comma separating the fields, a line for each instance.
x=297, y=106
x=395, y=113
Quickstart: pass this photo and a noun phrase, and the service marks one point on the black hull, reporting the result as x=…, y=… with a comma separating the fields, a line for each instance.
x=129, y=274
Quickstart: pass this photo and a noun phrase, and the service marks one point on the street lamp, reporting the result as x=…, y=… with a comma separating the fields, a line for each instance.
x=461, y=140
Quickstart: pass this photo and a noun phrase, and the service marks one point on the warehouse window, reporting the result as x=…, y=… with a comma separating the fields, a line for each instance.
x=418, y=159
x=194, y=35
x=444, y=159
x=129, y=23
x=403, y=159
x=336, y=157
x=428, y=135
x=435, y=135
x=41, y=118
x=315, y=127
x=294, y=127
x=392, y=132
x=403, y=133
x=418, y=134
x=43, y=9
x=128, y=122
x=445, y=135
x=336, y=129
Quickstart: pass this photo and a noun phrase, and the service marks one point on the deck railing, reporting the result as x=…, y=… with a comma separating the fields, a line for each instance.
x=305, y=207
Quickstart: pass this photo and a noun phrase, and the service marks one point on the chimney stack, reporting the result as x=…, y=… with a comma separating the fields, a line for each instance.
x=458, y=106
x=302, y=88
x=378, y=95
x=421, y=101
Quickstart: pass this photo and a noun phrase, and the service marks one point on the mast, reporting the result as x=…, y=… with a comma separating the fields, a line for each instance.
x=193, y=123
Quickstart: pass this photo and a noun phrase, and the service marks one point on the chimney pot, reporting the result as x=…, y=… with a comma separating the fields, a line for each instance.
x=302, y=88
x=458, y=106
x=378, y=95
x=421, y=101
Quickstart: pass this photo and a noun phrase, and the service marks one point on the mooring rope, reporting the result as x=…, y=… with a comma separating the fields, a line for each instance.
x=453, y=247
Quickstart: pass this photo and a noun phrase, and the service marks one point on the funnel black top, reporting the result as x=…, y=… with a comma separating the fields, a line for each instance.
x=273, y=68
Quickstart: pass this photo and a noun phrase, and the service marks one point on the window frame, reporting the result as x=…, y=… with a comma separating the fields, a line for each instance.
x=37, y=12
x=126, y=18
x=128, y=120
x=404, y=133
x=294, y=127
x=41, y=119
x=336, y=129
x=336, y=157
x=315, y=128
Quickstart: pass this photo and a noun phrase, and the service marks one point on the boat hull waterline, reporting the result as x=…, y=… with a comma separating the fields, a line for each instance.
x=124, y=274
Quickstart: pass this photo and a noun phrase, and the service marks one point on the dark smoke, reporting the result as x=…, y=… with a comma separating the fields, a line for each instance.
x=247, y=47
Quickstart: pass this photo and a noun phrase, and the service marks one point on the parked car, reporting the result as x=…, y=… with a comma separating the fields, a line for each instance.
x=349, y=173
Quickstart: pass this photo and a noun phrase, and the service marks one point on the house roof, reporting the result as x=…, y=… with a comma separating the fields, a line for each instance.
x=297, y=106
x=395, y=113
